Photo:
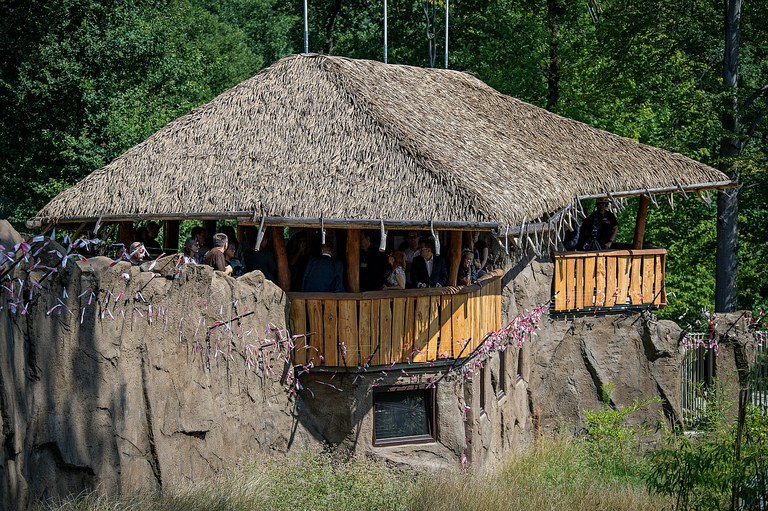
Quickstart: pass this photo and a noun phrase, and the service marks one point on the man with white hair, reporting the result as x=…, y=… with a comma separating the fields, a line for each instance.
x=215, y=257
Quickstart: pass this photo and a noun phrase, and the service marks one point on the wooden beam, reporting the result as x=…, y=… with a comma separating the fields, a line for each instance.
x=642, y=214
x=353, y=260
x=126, y=234
x=171, y=236
x=454, y=257
x=281, y=258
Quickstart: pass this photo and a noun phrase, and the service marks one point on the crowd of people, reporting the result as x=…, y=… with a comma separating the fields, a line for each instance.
x=413, y=264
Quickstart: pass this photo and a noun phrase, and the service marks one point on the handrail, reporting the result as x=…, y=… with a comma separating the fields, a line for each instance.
x=612, y=252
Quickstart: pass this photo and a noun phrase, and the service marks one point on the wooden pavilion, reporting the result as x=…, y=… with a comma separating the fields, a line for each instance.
x=333, y=143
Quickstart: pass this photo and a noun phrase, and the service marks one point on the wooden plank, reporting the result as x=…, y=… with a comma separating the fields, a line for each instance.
x=353, y=260
x=579, y=293
x=409, y=332
x=459, y=325
x=497, y=307
x=560, y=291
x=375, y=331
x=589, y=281
x=645, y=251
x=434, y=328
x=647, y=284
x=364, y=332
x=330, y=332
x=348, y=332
x=611, y=281
x=316, y=340
x=298, y=319
x=658, y=284
x=635, y=280
x=622, y=269
x=421, y=329
x=385, y=331
x=570, y=283
x=445, y=348
x=398, y=328
x=600, y=298
x=281, y=259
x=477, y=331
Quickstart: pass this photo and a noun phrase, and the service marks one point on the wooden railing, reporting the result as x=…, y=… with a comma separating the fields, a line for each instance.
x=609, y=279
x=413, y=325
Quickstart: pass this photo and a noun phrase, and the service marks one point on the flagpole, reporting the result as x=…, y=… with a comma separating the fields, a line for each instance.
x=385, y=31
x=446, y=34
x=306, y=28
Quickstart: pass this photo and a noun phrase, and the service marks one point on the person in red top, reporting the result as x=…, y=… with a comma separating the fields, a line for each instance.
x=215, y=256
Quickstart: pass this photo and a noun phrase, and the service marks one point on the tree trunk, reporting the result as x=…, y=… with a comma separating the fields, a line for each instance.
x=727, y=262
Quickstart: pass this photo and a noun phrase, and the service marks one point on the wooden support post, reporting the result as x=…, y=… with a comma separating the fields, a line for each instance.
x=281, y=258
x=454, y=257
x=210, y=230
x=353, y=260
x=642, y=213
x=125, y=235
x=171, y=236
x=466, y=240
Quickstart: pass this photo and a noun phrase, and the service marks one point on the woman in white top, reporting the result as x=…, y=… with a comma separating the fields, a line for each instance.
x=396, y=275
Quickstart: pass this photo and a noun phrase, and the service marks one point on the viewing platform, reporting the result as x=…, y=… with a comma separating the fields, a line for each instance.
x=608, y=280
x=394, y=326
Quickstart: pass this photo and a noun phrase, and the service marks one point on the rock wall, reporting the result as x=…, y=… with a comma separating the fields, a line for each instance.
x=134, y=396
x=572, y=358
x=109, y=381
x=124, y=378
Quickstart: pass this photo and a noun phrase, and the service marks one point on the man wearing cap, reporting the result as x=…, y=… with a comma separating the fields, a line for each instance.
x=599, y=229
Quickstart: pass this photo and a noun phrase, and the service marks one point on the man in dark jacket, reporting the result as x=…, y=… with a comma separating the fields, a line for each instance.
x=324, y=274
x=427, y=269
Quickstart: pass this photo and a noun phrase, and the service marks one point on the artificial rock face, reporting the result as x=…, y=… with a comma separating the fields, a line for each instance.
x=124, y=378
x=117, y=378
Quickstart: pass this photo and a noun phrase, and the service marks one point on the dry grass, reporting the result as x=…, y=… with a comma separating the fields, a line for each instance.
x=558, y=475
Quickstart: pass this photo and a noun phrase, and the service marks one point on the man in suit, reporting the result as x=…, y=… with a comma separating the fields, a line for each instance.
x=324, y=274
x=427, y=269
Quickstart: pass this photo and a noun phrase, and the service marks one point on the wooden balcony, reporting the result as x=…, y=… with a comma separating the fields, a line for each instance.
x=609, y=279
x=412, y=325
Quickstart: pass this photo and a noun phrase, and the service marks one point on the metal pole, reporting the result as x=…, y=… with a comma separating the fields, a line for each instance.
x=446, y=34
x=306, y=28
x=385, y=32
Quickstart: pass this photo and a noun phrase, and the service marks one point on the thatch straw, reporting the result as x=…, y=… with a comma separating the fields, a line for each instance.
x=316, y=136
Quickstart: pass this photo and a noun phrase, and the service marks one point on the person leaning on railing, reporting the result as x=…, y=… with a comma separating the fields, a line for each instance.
x=467, y=270
x=428, y=270
x=396, y=275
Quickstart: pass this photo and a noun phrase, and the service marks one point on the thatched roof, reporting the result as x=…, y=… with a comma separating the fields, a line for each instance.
x=316, y=136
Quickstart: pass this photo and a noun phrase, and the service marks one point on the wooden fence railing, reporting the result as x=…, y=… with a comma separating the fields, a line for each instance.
x=609, y=278
x=414, y=325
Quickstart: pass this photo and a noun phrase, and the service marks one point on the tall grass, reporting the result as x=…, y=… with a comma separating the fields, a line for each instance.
x=558, y=474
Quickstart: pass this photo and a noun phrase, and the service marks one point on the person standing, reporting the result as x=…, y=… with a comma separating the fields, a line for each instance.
x=599, y=229
x=215, y=256
x=427, y=269
x=324, y=274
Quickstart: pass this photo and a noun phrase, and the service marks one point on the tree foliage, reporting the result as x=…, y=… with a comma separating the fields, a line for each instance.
x=83, y=80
